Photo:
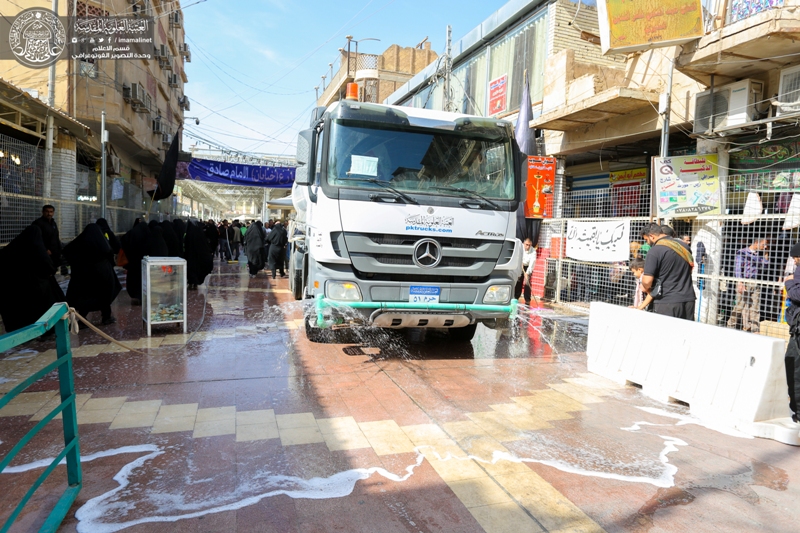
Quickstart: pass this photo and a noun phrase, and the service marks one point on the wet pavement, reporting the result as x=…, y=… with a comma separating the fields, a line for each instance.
x=246, y=426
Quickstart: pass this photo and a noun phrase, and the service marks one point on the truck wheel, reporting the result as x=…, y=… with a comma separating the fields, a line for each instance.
x=297, y=289
x=315, y=334
x=464, y=334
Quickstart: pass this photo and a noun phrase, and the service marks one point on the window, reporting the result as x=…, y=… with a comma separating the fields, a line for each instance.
x=469, y=85
x=524, y=48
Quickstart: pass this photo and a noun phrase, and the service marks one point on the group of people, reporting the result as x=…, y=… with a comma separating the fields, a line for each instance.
x=266, y=246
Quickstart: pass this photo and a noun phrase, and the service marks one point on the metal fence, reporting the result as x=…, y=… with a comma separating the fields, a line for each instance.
x=738, y=281
x=22, y=195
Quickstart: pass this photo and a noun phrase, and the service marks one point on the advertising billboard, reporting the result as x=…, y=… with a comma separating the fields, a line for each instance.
x=540, y=183
x=687, y=186
x=633, y=25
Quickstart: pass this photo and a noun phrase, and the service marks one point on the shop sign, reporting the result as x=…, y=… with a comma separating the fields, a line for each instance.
x=498, y=92
x=636, y=174
x=687, y=186
x=599, y=241
x=540, y=185
x=628, y=26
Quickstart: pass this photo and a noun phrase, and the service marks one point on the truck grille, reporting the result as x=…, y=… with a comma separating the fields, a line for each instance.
x=373, y=254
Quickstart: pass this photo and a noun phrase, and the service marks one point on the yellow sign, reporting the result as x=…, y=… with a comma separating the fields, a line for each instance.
x=687, y=186
x=632, y=25
x=636, y=174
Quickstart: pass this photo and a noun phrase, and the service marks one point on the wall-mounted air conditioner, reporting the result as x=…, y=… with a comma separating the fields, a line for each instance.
x=175, y=20
x=166, y=139
x=172, y=80
x=157, y=127
x=789, y=91
x=730, y=105
x=137, y=93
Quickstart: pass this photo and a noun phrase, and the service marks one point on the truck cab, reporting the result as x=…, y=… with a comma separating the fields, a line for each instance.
x=406, y=218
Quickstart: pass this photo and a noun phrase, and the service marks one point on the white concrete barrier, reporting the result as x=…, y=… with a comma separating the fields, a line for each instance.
x=727, y=377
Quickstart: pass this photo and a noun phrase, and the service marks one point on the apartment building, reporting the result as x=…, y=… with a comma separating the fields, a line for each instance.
x=143, y=99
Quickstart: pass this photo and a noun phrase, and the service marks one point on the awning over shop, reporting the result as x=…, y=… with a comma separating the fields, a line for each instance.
x=272, y=177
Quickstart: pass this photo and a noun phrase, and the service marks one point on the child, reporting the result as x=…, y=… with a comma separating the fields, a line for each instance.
x=641, y=300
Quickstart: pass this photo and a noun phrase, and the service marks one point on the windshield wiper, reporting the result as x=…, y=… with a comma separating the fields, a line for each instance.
x=469, y=192
x=385, y=186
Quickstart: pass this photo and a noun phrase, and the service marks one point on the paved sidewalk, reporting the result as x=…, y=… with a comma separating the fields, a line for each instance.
x=246, y=426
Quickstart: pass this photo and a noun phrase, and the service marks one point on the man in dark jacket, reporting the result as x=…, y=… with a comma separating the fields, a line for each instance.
x=52, y=240
x=212, y=236
x=792, y=359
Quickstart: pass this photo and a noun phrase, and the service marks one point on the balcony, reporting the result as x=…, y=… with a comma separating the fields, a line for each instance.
x=611, y=103
x=353, y=68
x=747, y=47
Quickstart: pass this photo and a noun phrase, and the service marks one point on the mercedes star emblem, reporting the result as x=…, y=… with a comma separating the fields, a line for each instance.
x=427, y=253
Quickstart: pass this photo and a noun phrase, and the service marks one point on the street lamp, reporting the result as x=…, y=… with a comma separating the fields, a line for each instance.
x=323, y=82
x=196, y=120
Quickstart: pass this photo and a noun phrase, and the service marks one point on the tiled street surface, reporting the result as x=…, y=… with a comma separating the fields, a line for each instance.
x=246, y=426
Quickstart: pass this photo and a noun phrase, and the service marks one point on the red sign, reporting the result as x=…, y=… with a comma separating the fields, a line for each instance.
x=498, y=90
x=540, y=185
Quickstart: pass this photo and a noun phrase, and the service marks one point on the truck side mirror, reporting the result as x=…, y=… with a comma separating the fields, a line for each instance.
x=305, y=143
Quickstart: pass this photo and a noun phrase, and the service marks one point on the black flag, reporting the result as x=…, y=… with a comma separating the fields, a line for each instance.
x=527, y=145
x=166, y=177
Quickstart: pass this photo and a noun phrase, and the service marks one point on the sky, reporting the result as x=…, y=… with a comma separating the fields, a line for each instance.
x=254, y=67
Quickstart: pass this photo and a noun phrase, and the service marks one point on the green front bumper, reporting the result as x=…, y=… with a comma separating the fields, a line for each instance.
x=322, y=303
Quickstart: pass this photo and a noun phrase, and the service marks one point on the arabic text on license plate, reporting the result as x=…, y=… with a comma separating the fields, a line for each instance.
x=421, y=294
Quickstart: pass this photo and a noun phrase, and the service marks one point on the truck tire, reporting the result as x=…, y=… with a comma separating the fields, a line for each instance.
x=464, y=334
x=315, y=334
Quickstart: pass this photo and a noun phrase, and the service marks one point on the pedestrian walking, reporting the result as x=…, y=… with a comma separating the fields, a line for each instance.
x=668, y=274
x=254, y=248
x=277, y=242
x=212, y=236
x=748, y=265
x=93, y=285
x=199, y=261
x=27, y=290
x=236, y=239
x=523, y=286
x=792, y=358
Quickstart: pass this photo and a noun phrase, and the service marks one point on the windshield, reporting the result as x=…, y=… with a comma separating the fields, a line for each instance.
x=421, y=162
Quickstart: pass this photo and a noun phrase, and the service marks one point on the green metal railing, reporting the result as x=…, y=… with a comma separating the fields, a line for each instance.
x=56, y=317
x=321, y=304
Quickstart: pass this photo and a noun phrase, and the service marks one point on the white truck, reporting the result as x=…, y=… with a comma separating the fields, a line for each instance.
x=406, y=218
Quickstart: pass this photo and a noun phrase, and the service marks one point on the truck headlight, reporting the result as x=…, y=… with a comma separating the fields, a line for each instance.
x=343, y=291
x=497, y=294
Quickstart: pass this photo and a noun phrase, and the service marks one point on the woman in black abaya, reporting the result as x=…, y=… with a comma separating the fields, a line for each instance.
x=135, y=245
x=199, y=261
x=254, y=240
x=112, y=239
x=27, y=284
x=93, y=285
x=174, y=248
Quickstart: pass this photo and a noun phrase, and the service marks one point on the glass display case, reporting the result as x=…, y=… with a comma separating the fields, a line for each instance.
x=163, y=291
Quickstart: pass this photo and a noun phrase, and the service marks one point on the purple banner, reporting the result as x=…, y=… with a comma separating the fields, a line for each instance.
x=237, y=174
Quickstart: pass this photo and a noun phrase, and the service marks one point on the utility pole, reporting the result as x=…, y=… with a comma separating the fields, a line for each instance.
x=48, y=150
x=666, y=110
x=448, y=70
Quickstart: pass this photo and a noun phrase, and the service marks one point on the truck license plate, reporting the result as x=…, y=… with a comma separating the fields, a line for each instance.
x=422, y=294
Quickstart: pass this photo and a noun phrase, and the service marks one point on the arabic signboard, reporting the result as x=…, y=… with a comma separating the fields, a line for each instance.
x=601, y=241
x=498, y=91
x=635, y=174
x=628, y=26
x=540, y=184
x=236, y=174
x=687, y=186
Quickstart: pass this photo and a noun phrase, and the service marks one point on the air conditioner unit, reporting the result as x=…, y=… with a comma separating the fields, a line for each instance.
x=175, y=20
x=166, y=139
x=183, y=101
x=126, y=92
x=172, y=80
x=137, y=93
x=157, y=52
x=157, y=127
x=183, y=48
x=167, y=65
x=733, y=105
x=789, y=91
